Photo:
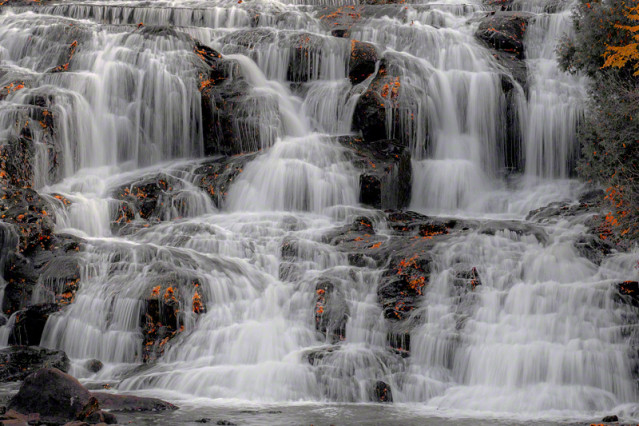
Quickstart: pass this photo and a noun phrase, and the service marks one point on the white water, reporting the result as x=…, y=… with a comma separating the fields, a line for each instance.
x=541, y=338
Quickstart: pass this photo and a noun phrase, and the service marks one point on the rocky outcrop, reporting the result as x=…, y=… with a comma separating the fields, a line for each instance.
x=385, y=171
x=17, y=362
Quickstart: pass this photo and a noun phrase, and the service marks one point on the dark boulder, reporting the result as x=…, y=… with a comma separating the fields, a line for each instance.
x=29, y=324
x=385, y=171
x=55, y=395
x=93, y=365
x=505, y=31
x=362, y=61
x=610, y=419
x=17, y=362
x=382, y=392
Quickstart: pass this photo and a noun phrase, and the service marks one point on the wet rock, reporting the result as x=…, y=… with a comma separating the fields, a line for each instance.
x=93, y=365
x=30, y=213
x=29, y=324
x=382, y=392
x=16, y=3
x=403, y=284
x=234, y=120
x=612, y=418
x=385, y=171
x=628, y=292
x=503, y=5
x=55, y=395
x=149, y=199
x=52, y=268
x=17, y=362
x=593, y=248
x=340, y=19
x=66, y=59
x=216, y=176
x=382, y=95
x=225, y=422
x=305, y=59
x=505, y=31
x=130, y=403
x=414, y=224
x=331, y=311
x=362, y=61
x=161, y=317
x=520, y=228
x=315, y=356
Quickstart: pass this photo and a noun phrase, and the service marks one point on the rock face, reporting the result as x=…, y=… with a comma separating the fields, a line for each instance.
x=17, y=362
x=362, y=61
x=385, y=179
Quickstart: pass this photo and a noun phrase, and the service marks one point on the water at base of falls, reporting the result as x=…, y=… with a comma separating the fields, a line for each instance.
x=243, y=277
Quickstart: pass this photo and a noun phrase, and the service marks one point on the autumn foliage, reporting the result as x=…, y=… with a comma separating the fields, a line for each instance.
x=605, y=48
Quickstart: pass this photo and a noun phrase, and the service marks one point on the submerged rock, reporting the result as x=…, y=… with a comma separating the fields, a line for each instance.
x=17, y=362
x=130, y=403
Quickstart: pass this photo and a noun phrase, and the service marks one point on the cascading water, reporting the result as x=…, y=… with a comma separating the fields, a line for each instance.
x=245, y=272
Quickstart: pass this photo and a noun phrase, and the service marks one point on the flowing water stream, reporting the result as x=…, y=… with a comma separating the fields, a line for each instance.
x=542, y=337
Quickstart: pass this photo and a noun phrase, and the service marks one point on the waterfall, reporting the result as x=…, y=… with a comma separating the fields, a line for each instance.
x=213, y=293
